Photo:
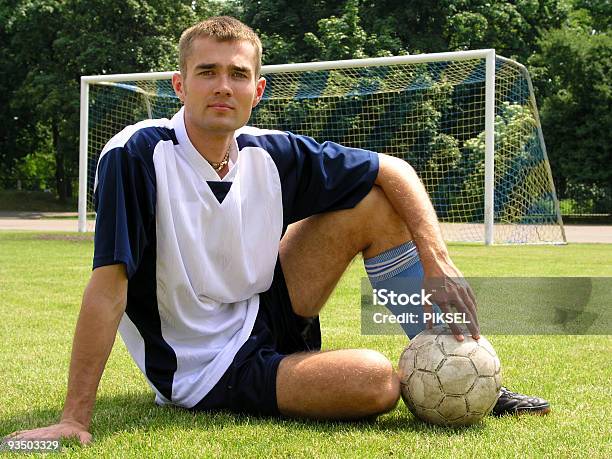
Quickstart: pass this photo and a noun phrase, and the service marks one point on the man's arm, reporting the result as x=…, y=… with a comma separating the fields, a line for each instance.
x=103, y=305
x=409, y=198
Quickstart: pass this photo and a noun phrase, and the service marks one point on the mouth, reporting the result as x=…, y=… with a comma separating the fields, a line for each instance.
x=221, y=106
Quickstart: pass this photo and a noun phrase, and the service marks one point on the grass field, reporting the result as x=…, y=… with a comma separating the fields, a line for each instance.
x=41, y=280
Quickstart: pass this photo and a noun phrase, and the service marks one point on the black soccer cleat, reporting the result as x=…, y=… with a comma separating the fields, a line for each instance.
x=513, y=403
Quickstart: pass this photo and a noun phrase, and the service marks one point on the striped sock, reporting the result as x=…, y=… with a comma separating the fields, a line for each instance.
x=399, y=270
x=392, y=262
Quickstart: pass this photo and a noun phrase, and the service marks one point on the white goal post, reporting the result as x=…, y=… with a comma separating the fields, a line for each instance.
x=467, y=121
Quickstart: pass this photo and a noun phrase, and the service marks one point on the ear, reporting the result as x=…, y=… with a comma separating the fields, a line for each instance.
x=179, y=87
x=259, y=91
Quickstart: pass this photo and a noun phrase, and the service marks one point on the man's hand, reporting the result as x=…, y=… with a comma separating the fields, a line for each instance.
x=450, y=290
x=65, y=429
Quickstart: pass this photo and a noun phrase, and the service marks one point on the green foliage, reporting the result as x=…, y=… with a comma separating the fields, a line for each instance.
x=282, y=24
x=415, y=25
x=344, y=37
x=34, y=201
x=35, y=171
x=574, y=69
x=50, y=44
x=599, y=11
x=586, y=200
x=341, y=38
x=509, y=27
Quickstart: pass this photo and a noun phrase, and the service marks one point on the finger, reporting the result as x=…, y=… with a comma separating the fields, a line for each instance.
x=85, y=438
x=472, y=295
x=471, y=307
x=35, y=434
x=453, y=327
x=46, y=434
x=461, y=307
x=70, y=434
x=470, y=301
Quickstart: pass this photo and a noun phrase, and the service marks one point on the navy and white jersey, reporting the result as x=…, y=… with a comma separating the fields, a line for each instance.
x=198, y=248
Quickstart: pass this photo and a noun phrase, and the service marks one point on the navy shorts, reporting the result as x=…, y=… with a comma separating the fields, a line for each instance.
x=249, y=384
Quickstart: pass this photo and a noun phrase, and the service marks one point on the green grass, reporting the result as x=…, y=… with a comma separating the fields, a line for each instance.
x=41, y=280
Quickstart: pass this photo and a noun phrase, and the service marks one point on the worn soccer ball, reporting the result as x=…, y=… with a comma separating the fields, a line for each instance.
x=447, y=382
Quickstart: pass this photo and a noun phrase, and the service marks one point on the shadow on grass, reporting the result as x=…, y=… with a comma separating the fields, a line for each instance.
x=136, y=412
x=412, y=424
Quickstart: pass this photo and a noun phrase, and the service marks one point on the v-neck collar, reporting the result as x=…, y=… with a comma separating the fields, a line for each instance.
x=197, y=161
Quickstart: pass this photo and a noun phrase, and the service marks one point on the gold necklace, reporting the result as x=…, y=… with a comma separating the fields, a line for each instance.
x=221, y=164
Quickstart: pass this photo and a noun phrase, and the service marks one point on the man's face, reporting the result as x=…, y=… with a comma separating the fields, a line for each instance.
x=220, y=88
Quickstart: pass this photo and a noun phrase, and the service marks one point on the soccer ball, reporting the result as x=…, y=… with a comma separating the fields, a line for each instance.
x=447, y=382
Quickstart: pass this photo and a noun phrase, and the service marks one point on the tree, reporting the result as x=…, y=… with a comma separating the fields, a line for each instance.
x=282, y=24
x=452, y=25
x=344, y=38
x=19, y=133
x=573, y=68
x=599, y=12
x=52, y=43
x=307, y=30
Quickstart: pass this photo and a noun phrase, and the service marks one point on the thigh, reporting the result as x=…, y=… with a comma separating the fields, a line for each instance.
x=313, y=259
x=342, y=384
x=315, y=252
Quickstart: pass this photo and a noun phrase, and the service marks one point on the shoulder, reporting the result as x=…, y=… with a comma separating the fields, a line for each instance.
x=268, y=139
x=133, y=148
x=139, y=140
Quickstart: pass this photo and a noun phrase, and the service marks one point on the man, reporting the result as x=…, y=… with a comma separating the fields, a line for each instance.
x=217, y=245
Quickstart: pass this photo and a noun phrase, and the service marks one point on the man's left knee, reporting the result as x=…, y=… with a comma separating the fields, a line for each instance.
x=384, y=384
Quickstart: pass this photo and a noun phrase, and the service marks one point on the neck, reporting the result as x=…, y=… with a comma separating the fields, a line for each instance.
x=212, y=146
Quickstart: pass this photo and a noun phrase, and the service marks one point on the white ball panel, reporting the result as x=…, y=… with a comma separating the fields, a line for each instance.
x=452, y=407
x=424, y=389
x=482, y=396
x=457, y=375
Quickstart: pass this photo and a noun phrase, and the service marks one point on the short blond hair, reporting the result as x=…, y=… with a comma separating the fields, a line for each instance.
x=221, y=28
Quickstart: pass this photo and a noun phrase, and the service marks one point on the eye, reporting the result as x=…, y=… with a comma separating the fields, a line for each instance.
x=240, y=75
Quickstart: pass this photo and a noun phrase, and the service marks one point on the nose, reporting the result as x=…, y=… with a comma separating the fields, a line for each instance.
x=223, y=86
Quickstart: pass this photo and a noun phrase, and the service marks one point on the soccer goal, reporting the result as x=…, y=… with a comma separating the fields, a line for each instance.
x=466, y=121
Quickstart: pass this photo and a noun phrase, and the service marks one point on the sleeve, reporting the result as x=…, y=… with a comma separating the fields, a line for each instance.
x=124, y=200
x=330, y=176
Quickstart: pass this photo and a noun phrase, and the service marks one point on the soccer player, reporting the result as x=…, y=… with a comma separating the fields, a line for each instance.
x=217, y=245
